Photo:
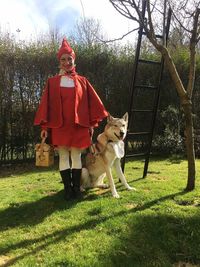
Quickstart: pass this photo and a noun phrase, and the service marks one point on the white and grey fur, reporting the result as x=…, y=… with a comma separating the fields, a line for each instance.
x=109, y=149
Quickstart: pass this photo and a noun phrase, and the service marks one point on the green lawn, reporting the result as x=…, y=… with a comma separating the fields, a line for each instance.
x=158, y=225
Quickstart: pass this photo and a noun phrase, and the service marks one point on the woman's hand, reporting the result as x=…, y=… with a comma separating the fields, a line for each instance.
x=44, y=134
x=91, y=131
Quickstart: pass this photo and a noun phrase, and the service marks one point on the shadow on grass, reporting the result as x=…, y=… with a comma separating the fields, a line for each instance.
x=32, y=213
x=24, y=168
x=148, y=233
x=158, y=240
x=152, y=159
x=29, y=167
x=175, y=159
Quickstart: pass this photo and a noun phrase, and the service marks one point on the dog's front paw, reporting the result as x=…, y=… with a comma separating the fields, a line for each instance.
x=131, y=188
x=116, y=195
x=103, y=186
x=82, y=189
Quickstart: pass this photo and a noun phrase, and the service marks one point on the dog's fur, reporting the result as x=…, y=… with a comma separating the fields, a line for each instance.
x=108, y=151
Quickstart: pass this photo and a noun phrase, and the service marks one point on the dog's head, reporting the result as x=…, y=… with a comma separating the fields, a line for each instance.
x=116, y=128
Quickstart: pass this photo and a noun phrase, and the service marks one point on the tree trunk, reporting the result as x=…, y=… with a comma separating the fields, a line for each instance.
x=189, y=143
x=187, y=109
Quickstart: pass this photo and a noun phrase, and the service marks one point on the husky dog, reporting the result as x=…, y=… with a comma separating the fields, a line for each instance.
x=108, y=151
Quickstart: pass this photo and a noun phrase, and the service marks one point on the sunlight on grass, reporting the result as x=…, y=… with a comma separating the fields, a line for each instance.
x=157, y=225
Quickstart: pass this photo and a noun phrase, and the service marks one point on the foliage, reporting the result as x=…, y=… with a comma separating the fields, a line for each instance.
x=26, y=66
x=170, y=140
x=158, y=225
x=168, y=143
x=88, y=31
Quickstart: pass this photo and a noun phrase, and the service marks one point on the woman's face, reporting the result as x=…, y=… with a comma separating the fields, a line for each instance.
x=67, y=62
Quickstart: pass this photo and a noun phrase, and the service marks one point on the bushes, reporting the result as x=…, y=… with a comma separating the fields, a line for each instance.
x=25, y=67
x=168, y=143
x=169, y=139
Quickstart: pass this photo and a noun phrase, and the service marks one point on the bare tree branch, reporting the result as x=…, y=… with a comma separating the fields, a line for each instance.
x=193, y=42
x=126, y=13
x=117, y=39
x=151, y=28
x=179, y=22
x=158, y=10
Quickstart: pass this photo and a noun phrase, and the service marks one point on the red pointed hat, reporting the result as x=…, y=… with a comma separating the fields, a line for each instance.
x=65, y=49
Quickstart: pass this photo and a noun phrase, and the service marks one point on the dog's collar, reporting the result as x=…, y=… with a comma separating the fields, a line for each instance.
x=115, y=142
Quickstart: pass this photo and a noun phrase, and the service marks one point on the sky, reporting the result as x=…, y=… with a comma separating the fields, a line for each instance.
x=29, y=18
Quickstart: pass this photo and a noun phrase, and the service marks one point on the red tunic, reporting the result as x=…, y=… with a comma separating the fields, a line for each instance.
x=70, y=112
x=70, y=134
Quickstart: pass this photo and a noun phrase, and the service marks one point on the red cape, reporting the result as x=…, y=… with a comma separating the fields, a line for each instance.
x=89, y=109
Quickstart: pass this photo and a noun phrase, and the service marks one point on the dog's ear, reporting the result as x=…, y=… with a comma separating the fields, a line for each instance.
x=109, y=118
x=125, y=117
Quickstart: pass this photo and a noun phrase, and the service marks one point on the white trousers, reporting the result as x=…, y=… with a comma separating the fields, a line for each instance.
x=69, y=158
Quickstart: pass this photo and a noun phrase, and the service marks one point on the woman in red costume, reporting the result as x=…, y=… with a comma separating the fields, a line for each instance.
x=70, y=108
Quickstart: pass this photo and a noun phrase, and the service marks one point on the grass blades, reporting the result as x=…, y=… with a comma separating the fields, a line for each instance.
x=157, y=225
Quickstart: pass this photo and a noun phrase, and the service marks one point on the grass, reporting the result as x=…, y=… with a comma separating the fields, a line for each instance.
x=158, y=225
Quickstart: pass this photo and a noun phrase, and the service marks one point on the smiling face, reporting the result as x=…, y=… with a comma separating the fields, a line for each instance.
x=116, y=128
x=67, y=62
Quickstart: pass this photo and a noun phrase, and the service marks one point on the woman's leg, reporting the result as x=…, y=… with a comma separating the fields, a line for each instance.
x=65, y=171
x=63, y=158
x=76, y=171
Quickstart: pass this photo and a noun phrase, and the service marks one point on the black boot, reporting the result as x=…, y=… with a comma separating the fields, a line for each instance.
x=76, y=180
x=67, y=181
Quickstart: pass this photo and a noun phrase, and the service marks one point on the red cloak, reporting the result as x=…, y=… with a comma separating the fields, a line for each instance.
x=89, y=109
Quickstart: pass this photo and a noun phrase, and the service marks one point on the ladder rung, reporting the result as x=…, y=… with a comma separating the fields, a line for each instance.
x=135, y=155
x=157, y=35
x=149, y=61
x=142, y=110
x=138, y=133
x=147, y=86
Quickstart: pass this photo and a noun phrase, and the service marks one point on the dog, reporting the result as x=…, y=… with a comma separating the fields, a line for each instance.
x=107, y=152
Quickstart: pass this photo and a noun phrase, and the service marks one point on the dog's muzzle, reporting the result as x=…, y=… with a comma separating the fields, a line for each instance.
x=120, y=136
